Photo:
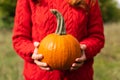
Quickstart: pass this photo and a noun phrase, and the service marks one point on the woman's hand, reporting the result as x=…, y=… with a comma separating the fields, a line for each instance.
x=38, y=57
x=79, y=61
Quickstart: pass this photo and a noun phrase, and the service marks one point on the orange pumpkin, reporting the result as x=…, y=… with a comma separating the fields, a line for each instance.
x=59, y=49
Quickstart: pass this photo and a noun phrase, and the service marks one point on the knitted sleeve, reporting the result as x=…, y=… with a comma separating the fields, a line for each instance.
x=22, y=40
x=95, y=39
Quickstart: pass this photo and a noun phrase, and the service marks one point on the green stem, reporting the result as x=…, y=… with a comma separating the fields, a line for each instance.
x=60, y=30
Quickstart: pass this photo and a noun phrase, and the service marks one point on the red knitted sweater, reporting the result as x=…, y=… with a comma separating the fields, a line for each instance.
x=33, y=22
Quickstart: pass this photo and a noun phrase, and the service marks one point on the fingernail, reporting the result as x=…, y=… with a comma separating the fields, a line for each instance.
x=83, y=46
x=40, y=56
x=73, y=64
x=71, y=69
x=48, y=69
x=76, y=59
x=45, y=64
x=36, y=44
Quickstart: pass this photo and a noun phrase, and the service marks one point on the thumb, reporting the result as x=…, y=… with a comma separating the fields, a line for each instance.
x=83, y=46
x=36, y=44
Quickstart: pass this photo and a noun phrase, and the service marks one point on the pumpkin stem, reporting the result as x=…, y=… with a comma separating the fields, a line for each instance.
x=60, y=22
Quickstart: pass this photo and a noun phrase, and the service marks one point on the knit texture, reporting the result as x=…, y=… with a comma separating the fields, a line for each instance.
x=33, y=22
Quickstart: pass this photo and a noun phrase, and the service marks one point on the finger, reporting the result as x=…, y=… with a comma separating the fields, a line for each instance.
x=75, y=66
x=35, y=51
x=36, y=44
x=37, y=56
x=41, y=64
x=79, y=60
x=72, y=69
x=83, y=46
x=45, y=68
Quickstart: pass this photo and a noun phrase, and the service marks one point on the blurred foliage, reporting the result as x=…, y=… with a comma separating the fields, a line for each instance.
x=110, y=12
x=7, y=9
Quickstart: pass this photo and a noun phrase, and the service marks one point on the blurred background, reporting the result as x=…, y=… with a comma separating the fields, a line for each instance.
x=106, y=63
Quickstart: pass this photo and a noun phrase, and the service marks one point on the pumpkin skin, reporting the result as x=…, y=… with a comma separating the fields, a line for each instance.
x=59, y=49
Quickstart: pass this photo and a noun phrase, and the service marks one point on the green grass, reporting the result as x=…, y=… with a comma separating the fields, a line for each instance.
x=106, y=65
x=10, y=63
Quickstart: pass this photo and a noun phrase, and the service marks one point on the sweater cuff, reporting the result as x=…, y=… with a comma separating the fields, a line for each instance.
x=28, y=55
x=29, y=59
x=88, y=53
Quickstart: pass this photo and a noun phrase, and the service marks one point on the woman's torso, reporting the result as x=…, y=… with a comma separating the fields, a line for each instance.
x=44, y=23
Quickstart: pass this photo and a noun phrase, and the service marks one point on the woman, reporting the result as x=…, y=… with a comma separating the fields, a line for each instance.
x=33, y=21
